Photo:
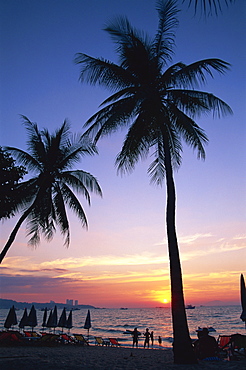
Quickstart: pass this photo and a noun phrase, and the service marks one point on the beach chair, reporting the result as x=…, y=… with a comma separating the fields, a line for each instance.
x=238, y=345
x=224, y=345
x=48, y=339
x=66, y=339
x=224, y=342
x=31, y=334
x=114, y=342
x=10, y=337
x=80, y=339
x=99, y=341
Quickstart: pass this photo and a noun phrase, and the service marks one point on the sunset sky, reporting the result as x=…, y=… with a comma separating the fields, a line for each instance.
x=122, y=260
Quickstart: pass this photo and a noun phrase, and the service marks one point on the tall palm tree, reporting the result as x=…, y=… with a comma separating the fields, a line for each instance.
x=158, y=104
x=45, y=196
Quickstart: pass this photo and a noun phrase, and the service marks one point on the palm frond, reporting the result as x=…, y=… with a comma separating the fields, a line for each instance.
x=34, y=143
x=102, y=72
x=136, y=145
x=134, y=48
x=195, y=103
x=193, y=135
x=61, y=214
x=122, y=32
x=164, y=40
x=171, y=139
x=72, y=201
x=24, y=158
x=208, y=6
x=82, y=182
x=41, y=219
x=108, y=120
x=196, y=73
x=157, y=170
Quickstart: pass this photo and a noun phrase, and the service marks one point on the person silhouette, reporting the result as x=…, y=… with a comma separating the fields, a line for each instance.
x=135, y=334
x=147, y=336
x=152, y=338
x=205, y=346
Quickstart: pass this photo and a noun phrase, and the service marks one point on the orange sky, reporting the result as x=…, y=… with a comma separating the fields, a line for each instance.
x=132, y=280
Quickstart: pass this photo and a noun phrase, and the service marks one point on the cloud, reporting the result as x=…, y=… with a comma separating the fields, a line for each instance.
x=188, y=239
x=109, y=260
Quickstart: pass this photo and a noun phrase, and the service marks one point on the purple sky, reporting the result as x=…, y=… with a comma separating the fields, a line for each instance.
x=126, y=236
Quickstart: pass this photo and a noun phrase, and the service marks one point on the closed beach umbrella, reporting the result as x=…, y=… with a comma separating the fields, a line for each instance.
x=11, y=318
x=32, y=318
x=49, y=321
x=243, y=299
x=54, y=318
x=88, y=322
x=62, y=320
x=44, y=318
x=69, y=323
x=24, y=320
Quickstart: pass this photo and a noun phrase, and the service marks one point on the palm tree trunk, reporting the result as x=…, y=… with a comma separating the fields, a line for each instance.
x=182, y=346
x=13, y=234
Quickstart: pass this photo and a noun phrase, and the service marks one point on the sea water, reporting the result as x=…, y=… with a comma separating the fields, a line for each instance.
x=113, y=323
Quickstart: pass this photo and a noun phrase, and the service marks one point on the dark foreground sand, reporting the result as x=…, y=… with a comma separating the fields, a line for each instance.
x=103, y=358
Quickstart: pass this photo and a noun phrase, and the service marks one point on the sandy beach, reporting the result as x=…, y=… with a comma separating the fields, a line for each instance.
x=95, y=357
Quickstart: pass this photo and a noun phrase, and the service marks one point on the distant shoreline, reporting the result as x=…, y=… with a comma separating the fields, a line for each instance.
x=7, y=303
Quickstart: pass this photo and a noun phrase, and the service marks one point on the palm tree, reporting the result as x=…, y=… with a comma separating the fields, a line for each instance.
x=158, y=104
x=208, y=6
x=44, y=197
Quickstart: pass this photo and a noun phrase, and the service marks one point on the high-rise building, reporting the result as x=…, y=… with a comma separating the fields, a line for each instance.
x=69, y=302
x=76, y=302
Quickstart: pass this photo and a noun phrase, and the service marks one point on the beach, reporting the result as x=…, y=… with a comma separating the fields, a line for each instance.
x=102, y=358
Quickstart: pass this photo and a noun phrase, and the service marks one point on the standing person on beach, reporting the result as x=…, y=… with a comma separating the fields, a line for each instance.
x=135, y=337
x=152, y=338
x=147, y=336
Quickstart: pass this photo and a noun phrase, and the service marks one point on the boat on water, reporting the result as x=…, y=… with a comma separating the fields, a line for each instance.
x=190, y=307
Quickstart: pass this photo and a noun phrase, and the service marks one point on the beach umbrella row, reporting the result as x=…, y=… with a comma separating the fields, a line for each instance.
x=53, y=321
x=26, y=320
x=31, y=319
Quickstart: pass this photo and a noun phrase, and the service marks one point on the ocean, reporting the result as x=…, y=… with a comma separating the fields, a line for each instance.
x=115, y=322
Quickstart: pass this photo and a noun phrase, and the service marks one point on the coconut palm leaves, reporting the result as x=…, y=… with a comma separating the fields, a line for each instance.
x=159, y=105
x=51, y=190
x=208, y=6
x=151, y=100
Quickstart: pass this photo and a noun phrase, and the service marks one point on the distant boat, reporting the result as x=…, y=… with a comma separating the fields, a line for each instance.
x=190, y=307
x=124, y=308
